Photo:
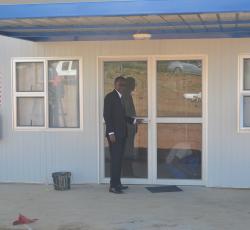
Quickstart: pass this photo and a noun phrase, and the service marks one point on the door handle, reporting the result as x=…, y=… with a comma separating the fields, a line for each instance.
x=144, y=120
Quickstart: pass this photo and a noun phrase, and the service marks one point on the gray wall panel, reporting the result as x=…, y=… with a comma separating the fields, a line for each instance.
x=32, y=156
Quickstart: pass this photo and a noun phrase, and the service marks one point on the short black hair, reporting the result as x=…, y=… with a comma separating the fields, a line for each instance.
x=119, y=78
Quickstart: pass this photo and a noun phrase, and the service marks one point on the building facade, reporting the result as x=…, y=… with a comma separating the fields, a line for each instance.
x=31, y=154
x=193, y=95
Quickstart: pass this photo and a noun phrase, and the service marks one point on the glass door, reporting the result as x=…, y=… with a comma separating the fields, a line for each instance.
x=135, y=164
x=179, y=116
x=169, y=94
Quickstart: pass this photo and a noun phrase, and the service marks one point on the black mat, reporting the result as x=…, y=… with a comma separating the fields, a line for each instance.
x=168, y=188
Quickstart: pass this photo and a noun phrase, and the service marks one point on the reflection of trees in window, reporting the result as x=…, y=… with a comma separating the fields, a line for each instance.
x=135, y=69
x=135, y=101
x=179, y=88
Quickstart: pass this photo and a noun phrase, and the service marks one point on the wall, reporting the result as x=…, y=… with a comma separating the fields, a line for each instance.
x=32, y=156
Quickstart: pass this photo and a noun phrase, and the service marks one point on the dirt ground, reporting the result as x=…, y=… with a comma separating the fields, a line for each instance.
x=92, y=207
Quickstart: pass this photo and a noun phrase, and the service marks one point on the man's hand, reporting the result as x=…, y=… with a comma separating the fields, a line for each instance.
x=112, y=138
x=139, y=121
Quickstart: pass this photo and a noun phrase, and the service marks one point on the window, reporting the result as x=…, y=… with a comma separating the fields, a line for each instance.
x=244, y=93
x=179, y=88
x=46, y=93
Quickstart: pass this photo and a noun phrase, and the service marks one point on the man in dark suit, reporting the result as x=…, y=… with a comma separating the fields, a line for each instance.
x=116, y=131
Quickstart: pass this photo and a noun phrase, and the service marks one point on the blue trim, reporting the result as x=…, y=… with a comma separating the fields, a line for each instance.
x=125, y=8
x=120, y=37
x=124, y=26
x=127, y=35
x=122, y=8
x=123, y=32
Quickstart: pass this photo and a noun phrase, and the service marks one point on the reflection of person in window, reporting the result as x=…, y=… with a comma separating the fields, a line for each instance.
x=129, y=152
x=56, y=93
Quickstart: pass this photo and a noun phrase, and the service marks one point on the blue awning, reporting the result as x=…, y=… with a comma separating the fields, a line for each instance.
x=119, y=20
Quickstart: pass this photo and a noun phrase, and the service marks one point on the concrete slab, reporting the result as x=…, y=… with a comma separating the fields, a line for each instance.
x=91, y=207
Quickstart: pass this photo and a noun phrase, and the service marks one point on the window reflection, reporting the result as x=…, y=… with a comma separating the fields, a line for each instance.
x=129, y=69
x=30, y=111
x=179, y=151
x=246, y=111
x=135, y=156
x=246, y=85
x=179, y=88
x=63, y=92
x=135, y=102
x=29, y=77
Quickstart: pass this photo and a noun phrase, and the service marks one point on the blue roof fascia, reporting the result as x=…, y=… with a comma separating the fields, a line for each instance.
x=212, y=33
x=123, y=26
x=128, y=37
x=121, y=8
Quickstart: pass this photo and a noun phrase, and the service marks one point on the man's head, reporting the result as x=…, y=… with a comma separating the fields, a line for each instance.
x=120, y=84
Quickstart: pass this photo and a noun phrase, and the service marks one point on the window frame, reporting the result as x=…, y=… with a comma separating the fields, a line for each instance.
x=241, y=94
x=43, y=94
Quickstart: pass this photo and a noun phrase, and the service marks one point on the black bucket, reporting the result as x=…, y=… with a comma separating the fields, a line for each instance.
x=61, y=180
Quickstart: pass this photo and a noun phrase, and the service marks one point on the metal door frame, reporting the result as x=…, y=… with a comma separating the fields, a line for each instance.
x=152, y=118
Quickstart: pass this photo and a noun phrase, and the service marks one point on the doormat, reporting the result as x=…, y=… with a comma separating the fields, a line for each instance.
x=168, y=188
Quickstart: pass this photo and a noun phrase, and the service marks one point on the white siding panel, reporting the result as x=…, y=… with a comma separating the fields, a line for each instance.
x=33, y=156
x=19, y=152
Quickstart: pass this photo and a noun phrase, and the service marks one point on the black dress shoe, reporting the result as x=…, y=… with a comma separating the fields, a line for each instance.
x=115, y=190
x=122, y=187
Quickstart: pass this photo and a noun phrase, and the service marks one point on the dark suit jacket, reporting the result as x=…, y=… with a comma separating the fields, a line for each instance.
x=115, y=115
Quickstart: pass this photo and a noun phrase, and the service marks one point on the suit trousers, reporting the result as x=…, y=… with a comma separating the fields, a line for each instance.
x=116, y=157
